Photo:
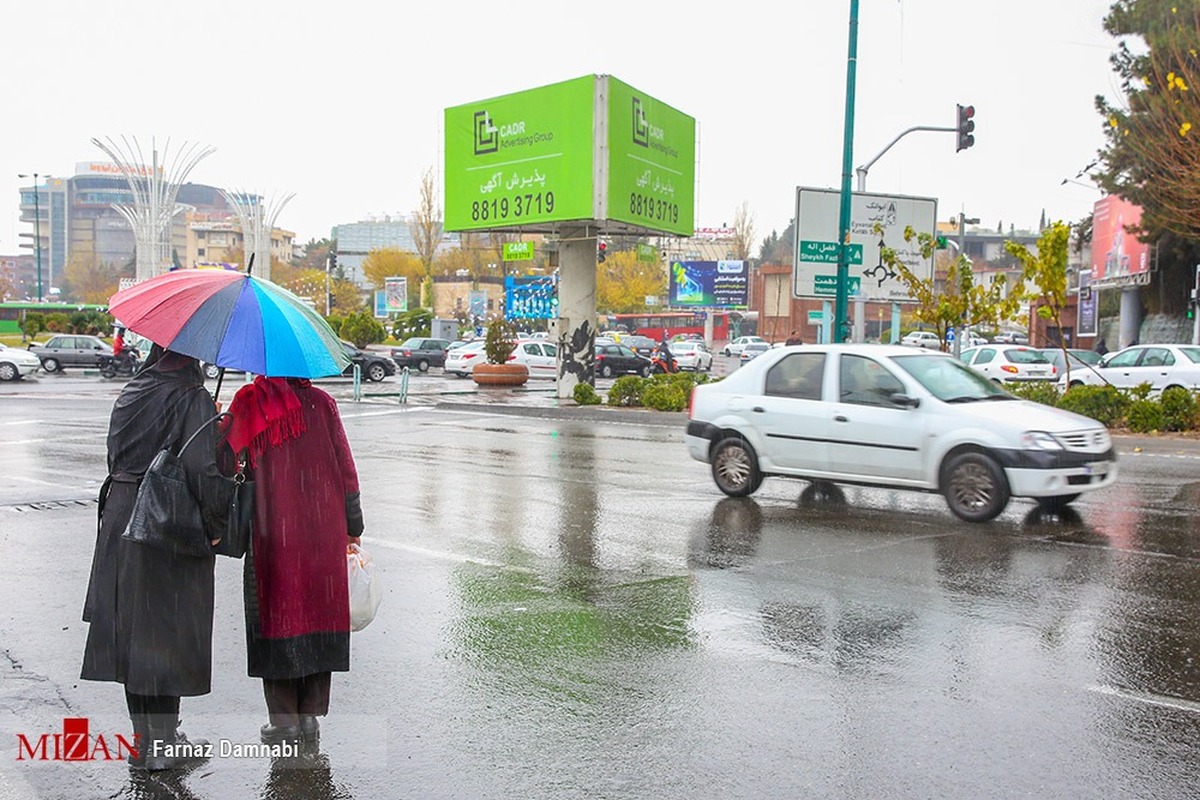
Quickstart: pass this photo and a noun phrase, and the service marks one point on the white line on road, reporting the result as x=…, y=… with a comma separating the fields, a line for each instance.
x=24, y=441
x=25, y=422
x=389, y=412
x=1150, y=698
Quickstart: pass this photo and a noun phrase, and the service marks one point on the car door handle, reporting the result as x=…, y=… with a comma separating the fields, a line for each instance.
x=840, y=418
x=758, y=410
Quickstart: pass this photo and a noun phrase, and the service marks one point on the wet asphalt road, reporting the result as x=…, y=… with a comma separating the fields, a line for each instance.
x=574, y=611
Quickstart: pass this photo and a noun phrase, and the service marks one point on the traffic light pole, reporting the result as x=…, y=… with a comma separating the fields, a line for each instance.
x=843, y=265
x=862, y=171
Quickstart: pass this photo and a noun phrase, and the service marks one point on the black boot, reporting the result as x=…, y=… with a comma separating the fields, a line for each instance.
x=275, y=734
x=168, y=748
x=141, y=740
x=310, y=728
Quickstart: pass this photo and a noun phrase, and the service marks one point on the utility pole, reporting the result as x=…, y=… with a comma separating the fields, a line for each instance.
x=963, y=221
x=37, y=229
x=843, y=265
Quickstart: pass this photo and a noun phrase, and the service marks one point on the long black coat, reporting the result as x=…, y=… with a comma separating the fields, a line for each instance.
x=150, y=611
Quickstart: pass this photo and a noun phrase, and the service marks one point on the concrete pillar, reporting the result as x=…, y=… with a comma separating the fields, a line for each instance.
x=1131, y=316
x=895, y=323
x=825, y=336
x=708, y=328
x=576, y=310
x=860, y=321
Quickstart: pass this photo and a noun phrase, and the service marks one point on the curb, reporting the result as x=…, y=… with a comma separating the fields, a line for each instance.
x=631, y=416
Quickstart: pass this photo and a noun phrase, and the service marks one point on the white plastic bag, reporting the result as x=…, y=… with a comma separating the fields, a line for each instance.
x=365, y=592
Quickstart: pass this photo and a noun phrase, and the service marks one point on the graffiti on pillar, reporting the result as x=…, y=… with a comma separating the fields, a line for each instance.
x=578, y=354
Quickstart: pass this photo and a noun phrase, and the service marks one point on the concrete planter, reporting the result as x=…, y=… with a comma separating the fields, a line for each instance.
x=500, y=374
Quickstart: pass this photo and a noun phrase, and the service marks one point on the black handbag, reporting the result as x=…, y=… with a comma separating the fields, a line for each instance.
x=241, y=514
x=166, y=514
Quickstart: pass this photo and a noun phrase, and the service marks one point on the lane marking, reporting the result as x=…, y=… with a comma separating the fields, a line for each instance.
x=388, y=412
x=1150, y=698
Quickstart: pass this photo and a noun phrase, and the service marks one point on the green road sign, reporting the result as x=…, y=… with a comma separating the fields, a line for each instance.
x=518, y=251
x=647, y=253
x=827, y=252
x=826, y=285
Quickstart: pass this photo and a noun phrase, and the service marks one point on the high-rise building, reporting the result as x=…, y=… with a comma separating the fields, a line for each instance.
x=356, y=239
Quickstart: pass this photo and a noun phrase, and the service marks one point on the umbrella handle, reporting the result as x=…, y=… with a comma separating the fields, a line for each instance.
x=250, y=265
x=220, y=377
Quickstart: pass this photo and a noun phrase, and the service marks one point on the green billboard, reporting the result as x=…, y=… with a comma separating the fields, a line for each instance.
x=588, y=149
x=651, y=162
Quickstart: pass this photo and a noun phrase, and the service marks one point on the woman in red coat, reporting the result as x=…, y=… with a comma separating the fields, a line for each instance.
x=306, y=512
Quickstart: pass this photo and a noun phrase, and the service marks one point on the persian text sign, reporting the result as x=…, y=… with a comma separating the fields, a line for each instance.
x=876, y=221
x=521, y=159
x=710, y=284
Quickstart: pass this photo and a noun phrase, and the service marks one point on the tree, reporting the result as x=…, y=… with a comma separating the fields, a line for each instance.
x=347, y=298
x=1048, y=272
x=743, y=232
x=426, y=229
x=362, y=329
x=623, y=282
x=964, y=303
x=392, y=262
x=8, y=288
x=89, y=281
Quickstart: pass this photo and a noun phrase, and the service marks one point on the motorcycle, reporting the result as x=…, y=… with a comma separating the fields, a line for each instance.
x=125, y=365
x=662, y=365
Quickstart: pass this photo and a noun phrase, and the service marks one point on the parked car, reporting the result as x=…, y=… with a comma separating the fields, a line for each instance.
x=421, y=352
x=1081, y=360
x=692, y=355
x=927, y=339
x=1009, y=364
x=16, y=364
x=374, y=367
x=70, y=350
x=753, y=350
x=1010, y=337
x=540, y=358
x=1160, y=365
x=617, y=359
x=894, y=417
x=735, y=347
x=462, y=360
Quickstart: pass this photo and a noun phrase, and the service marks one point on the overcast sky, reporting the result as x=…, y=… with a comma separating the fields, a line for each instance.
x=342, y=102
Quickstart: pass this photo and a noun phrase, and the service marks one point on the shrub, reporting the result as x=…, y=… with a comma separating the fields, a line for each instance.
x=666, y=396
x=585, y=394
x=1043, y=392
x=1178, y=409
x=501, y=341
x=1105, y=404
x=362, y=329
x=1144, y=416
x=627, y=391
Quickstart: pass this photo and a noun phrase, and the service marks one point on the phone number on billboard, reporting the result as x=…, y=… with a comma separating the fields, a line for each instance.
x=658, y=210
x=521, y=205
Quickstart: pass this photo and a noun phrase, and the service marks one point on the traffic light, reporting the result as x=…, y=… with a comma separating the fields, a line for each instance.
x=332, y=260
x=966, y=124
x=601, y=252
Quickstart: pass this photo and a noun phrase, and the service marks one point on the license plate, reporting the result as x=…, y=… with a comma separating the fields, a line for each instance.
x=1095, y=469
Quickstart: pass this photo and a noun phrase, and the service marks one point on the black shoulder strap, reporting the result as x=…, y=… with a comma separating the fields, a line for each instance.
x=202, y=427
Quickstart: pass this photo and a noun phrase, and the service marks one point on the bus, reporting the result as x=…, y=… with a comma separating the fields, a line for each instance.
x=11, y=314
x=726, y=325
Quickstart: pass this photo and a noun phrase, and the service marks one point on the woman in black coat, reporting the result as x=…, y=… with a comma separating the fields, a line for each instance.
x=149, y=610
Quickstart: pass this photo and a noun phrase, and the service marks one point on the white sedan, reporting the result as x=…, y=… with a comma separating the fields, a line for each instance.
x=15, y=364
x=692, y=355
x=1160, y=365
x=461, y=361
x=736, y=347
x=1010, y=364
x=895, y=417
x=539, y=357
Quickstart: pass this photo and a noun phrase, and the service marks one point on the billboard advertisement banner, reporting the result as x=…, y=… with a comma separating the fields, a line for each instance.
x=1117, y=256
x=530, y=298
x=651, y=162
x=521, y=159
x=1089, y=302
x=708, y=284
x=395, y=291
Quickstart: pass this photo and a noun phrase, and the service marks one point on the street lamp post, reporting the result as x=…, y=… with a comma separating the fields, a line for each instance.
x=37, y=230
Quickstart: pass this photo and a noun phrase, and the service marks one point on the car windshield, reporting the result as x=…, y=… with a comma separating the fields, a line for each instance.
x=412, y=344
x=1020, y=355
x=949, y=380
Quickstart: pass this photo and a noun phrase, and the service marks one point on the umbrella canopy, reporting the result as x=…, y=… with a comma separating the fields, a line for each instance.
x=233, y=320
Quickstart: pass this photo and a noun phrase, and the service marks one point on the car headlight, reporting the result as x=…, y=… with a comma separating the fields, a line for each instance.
x=1039, y=440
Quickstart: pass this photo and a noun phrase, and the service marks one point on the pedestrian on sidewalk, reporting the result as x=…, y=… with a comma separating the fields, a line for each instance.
x=306, y=513
x=794, y=339
x=150, y=611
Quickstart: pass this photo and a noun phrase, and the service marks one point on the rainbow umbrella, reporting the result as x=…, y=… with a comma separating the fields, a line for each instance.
x=233, y=320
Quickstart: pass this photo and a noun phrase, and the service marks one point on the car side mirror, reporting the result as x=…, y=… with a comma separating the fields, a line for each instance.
x=907, y=401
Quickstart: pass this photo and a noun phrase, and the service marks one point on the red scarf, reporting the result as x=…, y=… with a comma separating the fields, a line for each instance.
x=267, y=412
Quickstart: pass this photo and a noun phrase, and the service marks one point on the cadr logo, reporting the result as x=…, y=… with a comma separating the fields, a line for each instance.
x=75, y=743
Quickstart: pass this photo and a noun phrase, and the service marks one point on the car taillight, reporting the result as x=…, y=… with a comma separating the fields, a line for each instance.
x=1053, y=370
x=599, y=358
x=512, y=357
x=1009, y=368
x=468, y=355
x=406, y=353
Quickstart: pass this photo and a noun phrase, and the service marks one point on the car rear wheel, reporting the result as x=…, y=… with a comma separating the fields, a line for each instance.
x=376, y=372
x=606, y=371
x=735, y=467
x=647, y=371
x=974, y=486
x=51, y=365
x=8, y=372
x=423, y=366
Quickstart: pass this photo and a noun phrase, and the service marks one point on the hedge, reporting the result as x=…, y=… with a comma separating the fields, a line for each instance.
x=1175, y=409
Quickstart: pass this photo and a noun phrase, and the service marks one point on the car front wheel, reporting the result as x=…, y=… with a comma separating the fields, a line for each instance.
x=647, y=371
x=376, y=373
x=8, y=372
x=974, y=486
x=51, y=365
x=423, y=366
x=735, y=467
x=606, y=371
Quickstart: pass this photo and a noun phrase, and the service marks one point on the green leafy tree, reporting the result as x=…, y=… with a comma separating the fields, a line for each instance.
x=362, y=329
x=623, y=282
x=963, y=302
x=1047, y=270
x=501, y=341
